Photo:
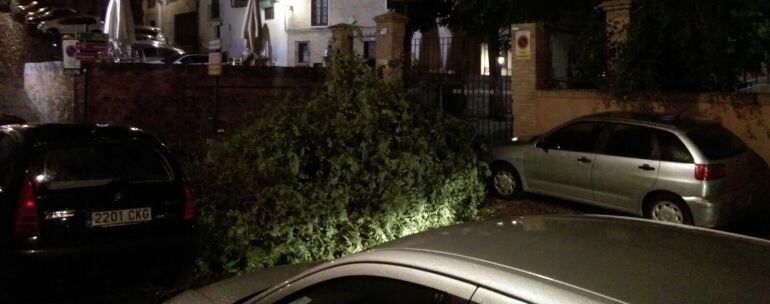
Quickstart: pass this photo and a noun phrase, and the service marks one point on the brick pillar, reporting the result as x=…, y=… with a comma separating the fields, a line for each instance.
x=342, y=37
x=391, y=28
x=617, y=17
x=530, y=69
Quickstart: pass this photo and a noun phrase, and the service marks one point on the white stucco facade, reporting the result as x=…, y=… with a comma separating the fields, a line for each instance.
x=163, y=12
x=290, y=25
x=230, y=26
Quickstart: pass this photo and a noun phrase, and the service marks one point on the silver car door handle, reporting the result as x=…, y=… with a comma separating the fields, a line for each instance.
x=584, y=160
x=646, y=167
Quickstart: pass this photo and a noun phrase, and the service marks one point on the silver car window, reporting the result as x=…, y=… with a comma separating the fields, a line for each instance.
x=370, y=289
x=299, y=289
x=630, y=141
x=716, y=142
x=578, y=137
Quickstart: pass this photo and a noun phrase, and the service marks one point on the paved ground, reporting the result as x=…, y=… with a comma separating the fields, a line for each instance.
x=755, y=221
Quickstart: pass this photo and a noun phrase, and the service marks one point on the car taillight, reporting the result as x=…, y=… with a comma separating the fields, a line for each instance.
x=189, y=210
x=26, y=222
x=710, y=172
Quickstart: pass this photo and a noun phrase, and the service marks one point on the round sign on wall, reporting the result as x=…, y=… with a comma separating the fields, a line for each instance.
x=71, y=50
x=522, y=42
x=523, y=45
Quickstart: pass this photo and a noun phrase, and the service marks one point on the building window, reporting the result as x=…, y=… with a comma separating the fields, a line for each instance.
x=214, y=9
x=319, y=12
x=303, y=52
x=151, y=3
x=369, y=48
x=269, y=13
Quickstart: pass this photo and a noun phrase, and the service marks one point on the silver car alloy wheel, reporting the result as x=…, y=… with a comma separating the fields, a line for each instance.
x=667, y=211
x=504, y=182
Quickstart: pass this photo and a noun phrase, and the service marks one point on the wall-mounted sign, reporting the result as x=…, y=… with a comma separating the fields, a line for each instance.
x=69, y=59
x=215, y=64
x=523, y=45
x=238, y=3
x=91, y=46
x=215, y=45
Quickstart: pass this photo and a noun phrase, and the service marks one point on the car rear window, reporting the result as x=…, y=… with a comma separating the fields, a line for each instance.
x=716, y=142
x=87, y=166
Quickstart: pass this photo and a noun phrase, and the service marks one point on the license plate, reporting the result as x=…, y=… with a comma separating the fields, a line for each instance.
x=120, y=217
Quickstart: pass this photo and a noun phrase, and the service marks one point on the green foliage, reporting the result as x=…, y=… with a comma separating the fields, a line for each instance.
x=354, y=166
x=691, y=45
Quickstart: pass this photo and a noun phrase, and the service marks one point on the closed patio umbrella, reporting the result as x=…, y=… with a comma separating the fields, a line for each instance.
x=251, y=28
x=119, y=26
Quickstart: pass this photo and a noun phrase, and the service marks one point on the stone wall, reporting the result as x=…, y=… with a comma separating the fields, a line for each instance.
x=180, y=103
x=50, y=91
x=746, y=115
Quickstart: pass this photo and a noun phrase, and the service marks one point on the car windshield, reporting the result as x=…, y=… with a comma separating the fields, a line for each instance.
x=86, y=166
x=716, y=142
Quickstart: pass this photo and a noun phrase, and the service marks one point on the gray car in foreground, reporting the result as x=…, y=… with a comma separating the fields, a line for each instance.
x=538, y=259
x=661, y=167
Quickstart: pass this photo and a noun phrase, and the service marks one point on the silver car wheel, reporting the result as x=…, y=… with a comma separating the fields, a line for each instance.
x=667, y=212
x=505, y=183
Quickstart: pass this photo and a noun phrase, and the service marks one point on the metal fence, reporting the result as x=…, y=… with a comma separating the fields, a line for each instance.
x=448, y=74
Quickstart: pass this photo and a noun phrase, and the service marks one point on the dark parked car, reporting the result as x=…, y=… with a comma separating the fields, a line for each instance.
x=54, y=13
x=538, y=259
x=145, y=32
x=155, y=52
x=8, y=119
x=193, y=59
x=24, y=8
x=76, y=196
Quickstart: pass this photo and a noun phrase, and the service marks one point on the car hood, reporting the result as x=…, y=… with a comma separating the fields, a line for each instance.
x=238, y=288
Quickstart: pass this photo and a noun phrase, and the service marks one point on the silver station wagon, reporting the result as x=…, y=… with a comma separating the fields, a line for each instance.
x=662, y=167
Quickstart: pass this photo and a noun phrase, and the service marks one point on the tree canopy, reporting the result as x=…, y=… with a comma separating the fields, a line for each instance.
x=683, y=45
x=691, y=45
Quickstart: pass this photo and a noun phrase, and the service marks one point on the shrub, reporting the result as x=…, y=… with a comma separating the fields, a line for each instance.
x=356, y=165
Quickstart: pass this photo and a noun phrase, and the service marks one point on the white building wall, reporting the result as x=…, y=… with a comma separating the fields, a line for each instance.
x=299, y=28
x=279, y=40
x=163, y=15
x=291, y=25
x=206, y=25
x=231, y=27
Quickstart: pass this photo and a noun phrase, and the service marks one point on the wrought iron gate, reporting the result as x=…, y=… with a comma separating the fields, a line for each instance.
x=448, y=75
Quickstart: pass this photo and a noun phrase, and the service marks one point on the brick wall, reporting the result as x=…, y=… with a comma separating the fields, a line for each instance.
x=178, y=103
x=527, y=76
